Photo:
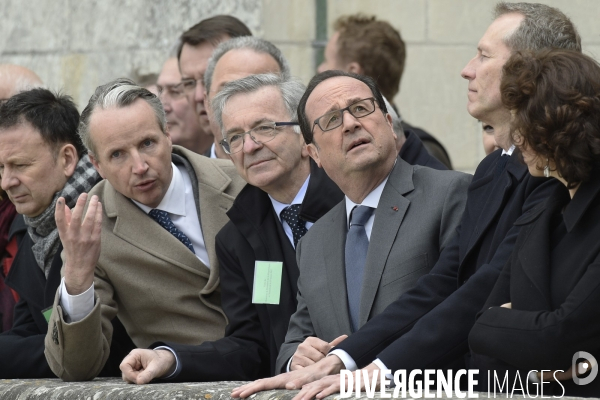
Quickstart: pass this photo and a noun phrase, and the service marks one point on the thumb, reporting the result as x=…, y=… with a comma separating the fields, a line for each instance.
x=338, y=340
x=146, y=375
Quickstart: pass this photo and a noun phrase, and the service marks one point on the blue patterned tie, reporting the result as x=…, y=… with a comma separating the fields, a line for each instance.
x=162, y=217
x=357, y=246
x=290, y=215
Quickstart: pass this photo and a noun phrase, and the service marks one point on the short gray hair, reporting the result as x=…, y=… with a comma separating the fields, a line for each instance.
x=245, y=42
x=291, y=92
x=543, y=27
x=118, y=93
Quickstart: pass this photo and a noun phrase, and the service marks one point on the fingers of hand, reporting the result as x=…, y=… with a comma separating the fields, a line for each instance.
x=77, y=212
x=337, y=341
x=311, y=344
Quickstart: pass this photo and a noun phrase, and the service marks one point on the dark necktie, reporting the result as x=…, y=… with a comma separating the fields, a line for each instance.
x=290, y=215
x=357, y=245
x=162, y=217
x=501, y=164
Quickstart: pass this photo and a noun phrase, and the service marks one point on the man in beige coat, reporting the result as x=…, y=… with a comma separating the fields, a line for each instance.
x=157, y=213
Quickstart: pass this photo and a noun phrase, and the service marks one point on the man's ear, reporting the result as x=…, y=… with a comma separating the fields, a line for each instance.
x=354, y=67
x=96, y=165
x=313, y=152
x=68, y=159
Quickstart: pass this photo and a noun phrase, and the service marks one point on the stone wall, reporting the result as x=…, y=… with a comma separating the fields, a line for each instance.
x=75, y=45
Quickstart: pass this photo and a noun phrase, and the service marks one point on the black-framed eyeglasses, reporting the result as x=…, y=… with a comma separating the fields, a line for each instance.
x=333, y=119
x=263, y=133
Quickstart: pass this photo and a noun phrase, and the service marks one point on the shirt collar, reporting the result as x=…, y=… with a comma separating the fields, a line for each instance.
x=509, y=151
x=297, y=200
x=173, y=202
x=372, y=200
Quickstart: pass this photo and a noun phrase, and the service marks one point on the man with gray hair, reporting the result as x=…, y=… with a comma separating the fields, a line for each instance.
x=235, y=59
x=286, y=193
x=158, y=211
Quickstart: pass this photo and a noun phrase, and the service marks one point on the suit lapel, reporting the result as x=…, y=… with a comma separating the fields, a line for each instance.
x=212, y=182
x=496, y=198
x=335, y=269
x=390, y=212
x=253, y=215
x=136, y=228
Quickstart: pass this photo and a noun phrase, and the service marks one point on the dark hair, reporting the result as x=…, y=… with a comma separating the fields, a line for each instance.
x=213, y=30
x=554, y=95
x=542, y=27
x=376, y=46
x=305, y=125
x=54, y=116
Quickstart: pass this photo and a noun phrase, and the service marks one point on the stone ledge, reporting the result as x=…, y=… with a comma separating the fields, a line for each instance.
x=116, y=389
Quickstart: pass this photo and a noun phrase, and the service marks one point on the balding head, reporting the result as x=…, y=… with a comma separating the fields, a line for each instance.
x=15, y=79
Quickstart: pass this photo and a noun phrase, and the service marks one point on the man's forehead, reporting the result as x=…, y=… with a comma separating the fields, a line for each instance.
x=337, y=92
x=240, y=63
x=499, y=30
x=265, y=104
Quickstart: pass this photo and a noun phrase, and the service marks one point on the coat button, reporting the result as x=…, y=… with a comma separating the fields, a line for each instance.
x=55, y=334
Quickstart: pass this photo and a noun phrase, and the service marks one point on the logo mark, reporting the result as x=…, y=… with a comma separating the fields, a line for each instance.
x=590, y=364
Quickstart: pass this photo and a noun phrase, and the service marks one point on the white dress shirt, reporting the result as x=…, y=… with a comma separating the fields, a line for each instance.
x=280, y=206
x=183, y=213
x=509, y=151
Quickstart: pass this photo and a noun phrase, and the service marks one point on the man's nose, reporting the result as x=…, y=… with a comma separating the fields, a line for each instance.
x=8, y=180
x=139, y=166
x=468, y=71
x=349, y=122
x=199, y=92
x=250, y=145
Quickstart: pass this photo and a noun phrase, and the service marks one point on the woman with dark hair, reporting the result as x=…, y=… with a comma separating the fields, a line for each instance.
x=545, y=307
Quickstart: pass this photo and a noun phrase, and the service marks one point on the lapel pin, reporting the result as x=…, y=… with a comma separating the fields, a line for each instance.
x=395, y=208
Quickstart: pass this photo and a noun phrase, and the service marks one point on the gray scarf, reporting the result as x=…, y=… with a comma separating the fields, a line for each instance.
x=42, y=228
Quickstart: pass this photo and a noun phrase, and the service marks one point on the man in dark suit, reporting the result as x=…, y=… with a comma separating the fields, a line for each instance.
x=390, y=229
x=41, y=158
x=427, y=327
x=282, y=182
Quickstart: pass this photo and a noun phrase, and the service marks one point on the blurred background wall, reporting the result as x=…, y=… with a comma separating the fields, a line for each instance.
x=75, y=45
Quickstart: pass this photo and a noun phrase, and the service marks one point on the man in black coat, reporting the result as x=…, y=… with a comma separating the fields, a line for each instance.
x=427, y=327
x=41, y=159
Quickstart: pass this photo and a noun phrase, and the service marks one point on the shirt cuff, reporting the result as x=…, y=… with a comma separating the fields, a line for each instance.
x=348, y=361
x=76, y=308
x=289, y=364
x=177, y=365
x=382, y=367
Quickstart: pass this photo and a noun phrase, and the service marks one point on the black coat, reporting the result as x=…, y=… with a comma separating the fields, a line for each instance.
x=22, y=347
x=553, y=282
x=255, y=331
x=427, y=327
x=414, y=152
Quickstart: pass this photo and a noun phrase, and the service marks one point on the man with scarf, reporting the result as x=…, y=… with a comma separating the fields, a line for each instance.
x=42, y=158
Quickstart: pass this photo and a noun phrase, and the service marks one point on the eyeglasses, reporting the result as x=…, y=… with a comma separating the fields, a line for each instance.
x=189, y=85
x=260, y=134
x=333, y=119
x=173, y=92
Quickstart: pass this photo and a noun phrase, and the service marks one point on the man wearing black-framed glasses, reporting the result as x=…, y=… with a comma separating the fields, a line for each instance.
x=389, y=230
x=285, y=195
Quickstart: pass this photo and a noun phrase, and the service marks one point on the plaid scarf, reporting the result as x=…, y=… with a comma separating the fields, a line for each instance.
x=42, y=228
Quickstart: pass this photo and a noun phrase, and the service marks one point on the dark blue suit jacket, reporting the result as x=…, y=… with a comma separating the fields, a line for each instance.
x=428, y=326
x=413, y=151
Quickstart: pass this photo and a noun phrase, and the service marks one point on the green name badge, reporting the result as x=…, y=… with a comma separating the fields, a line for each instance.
x=47, y=313
x=267, y=282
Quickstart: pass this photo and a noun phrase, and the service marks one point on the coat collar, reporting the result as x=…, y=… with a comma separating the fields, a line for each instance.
x=583, y=199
